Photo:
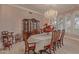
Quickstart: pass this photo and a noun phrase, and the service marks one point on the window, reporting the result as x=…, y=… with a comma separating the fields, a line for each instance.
x=68, y=24
x=76, y=25
x=60, y=23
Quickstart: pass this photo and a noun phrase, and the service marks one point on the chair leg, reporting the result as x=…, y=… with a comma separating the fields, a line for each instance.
x=4, y=48
x=40, y=51
x=50, y=51
x=62, y=42
x=57, y=44
x=26, y=51
x=53, y=50
x=9, y=47
x=34, y=51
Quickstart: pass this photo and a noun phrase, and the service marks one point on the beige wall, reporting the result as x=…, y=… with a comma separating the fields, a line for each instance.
x=11, y=18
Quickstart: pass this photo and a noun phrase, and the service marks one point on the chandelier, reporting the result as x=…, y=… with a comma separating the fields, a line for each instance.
x=51, y=14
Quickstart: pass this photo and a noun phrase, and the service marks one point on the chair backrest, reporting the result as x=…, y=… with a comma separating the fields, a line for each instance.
x=4, y=32
x=35, y=31
x=4, y=36
x=63, y=33
x=54, y=36
x=59, y=34
x=18, y=37
x=41, y=30
x=26, y=35
x=47, y=29
x=10, y=35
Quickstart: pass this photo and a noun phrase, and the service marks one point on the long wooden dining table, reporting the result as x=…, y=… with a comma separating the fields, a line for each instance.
x=41, y=40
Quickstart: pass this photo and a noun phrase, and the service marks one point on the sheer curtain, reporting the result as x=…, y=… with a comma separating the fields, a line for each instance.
x=69, y=22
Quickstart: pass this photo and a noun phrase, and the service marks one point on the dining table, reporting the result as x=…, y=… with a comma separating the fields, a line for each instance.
x=41, y=40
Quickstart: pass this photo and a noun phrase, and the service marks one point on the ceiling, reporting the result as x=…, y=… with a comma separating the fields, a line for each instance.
x=42, y=8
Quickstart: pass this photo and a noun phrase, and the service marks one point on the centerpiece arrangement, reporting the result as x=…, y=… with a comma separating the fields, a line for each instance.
x=47, y=29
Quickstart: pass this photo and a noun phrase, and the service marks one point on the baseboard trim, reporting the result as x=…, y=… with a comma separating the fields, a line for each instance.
x=73, y=38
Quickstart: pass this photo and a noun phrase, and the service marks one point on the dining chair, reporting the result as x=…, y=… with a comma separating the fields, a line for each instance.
x=47, y=29
x=35, y=31
x=60, y=41
x=41, y=30
x=29, y=46
x=18, y=38
x=4, y=34
x=11, y=37
x=62, y=36
x=58, y=36
x=52, y=45
x=6, y=42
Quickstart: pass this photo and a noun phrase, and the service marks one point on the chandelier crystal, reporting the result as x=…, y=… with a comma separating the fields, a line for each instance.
x=51, y=14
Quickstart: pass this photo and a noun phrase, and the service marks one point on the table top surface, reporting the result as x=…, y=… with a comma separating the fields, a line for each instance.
x=38, y=37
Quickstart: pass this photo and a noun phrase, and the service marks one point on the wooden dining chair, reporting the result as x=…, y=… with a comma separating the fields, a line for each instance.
x=41, y=30
x=60, y=41
x=52, y=45
x=28, y=46
x=58, y=36
x=6, y=42
x=35, y=31
x=11, y=37
x=18, y=38
x=4, y=35
x=62, y=36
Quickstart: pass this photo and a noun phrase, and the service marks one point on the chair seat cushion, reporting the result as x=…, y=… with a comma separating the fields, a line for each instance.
x=7, y=44
x=48, y=46
x=31, y=47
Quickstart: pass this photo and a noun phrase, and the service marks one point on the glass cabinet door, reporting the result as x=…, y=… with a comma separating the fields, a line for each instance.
x=29, y=25
x=26, y=26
